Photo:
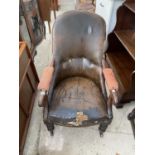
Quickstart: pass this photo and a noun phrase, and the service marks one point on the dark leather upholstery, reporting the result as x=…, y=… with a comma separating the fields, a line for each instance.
x=79, y=41
x=77, y=35
x=74, y=95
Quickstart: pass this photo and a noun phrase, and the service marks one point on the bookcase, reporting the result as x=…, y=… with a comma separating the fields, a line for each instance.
x=120, y=55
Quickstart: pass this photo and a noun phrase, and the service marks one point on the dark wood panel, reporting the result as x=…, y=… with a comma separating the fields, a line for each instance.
x=26, y=125
x=24, y=62
x=22, y=123
x=127, y=38
x=130, y=6
x=33, y=81
x=54, y=4
x=125, y=19
x=122, y=66
x=26, y=94
x=121, y=51
x=27, y=91
x=45, y=11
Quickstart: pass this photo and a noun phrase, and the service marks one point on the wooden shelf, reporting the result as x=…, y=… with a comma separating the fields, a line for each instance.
x=122, y=66
x=130, y=6
x=121, y=51
x=127, y=38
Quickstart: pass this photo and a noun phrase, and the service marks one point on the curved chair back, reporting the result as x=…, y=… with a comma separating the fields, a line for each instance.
x=79, y=42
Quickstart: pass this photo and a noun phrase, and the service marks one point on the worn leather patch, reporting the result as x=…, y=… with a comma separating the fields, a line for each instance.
x=80, y=117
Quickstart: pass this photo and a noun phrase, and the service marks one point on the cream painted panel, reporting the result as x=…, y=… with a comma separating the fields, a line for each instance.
x=113, y=18
x=108, y=9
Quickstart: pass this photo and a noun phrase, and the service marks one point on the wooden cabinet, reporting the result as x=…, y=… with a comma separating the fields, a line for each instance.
x=121, y=51
x=28, y=81
x=24, y=34
x=45, y=11
x=54, y=4
x=30, y=13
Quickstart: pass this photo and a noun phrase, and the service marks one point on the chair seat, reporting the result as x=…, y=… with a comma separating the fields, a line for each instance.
x=77, y=95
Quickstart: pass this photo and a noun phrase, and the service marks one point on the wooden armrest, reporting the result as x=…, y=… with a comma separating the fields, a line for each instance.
x=111, y=83
x=110, y=79
x=44, y=85
x=46, y=78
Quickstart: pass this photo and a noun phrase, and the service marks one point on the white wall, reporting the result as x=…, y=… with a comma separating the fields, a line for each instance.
x=108, y=9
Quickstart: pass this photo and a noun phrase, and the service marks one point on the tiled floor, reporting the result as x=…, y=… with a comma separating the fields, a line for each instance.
x=117, y=140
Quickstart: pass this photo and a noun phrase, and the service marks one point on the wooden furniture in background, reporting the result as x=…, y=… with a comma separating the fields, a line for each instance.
x=28, y=81
x=45, y=11
x=24, y=34
x=131, y=118
x=54, y=7
x=121, y=51
x=34, y=22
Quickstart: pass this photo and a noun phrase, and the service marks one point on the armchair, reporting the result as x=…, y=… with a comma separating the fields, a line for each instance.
x=72, y=89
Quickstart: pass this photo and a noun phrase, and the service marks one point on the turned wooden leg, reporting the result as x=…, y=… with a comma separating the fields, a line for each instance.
x=49, y=26
x=54, y=14
x=50, y=127
x=119, y=106
x=131, y=117
x=102, y=129
x=103, y=126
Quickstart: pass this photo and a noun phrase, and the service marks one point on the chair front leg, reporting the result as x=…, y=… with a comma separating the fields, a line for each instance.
x=42, y=98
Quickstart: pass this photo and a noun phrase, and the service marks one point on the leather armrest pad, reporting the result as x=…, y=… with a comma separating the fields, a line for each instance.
x=110, y=79
x=45, y=79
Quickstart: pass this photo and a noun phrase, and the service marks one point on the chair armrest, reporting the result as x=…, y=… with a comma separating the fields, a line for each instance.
x=111, y=83
x=46, y=78
x=44, y=85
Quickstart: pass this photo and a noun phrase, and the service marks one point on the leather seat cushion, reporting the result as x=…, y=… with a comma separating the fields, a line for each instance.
x=73, y=95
